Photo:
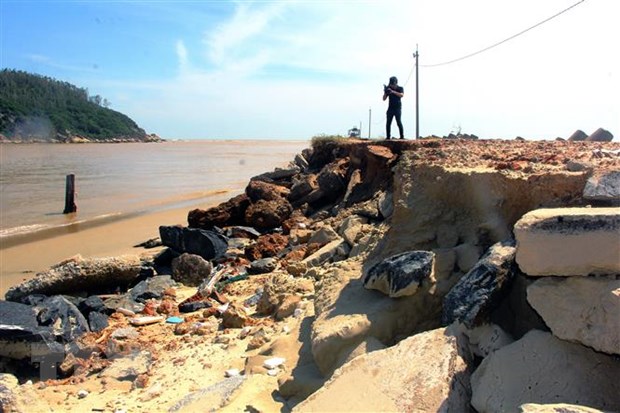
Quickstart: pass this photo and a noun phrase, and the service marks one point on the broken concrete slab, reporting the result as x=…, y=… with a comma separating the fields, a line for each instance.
x=434, y=378
x=569, y=241
x=92, y=275
x=585, y=310
x=544, y=369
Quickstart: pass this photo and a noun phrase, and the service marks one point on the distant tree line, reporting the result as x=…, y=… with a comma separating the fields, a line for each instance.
x=64, y=109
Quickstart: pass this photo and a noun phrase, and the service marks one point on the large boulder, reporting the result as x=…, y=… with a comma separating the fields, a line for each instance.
x=190, y=269
x=578, y=135
x=400, y=274
x=302, y=187
x=603, y=187
x=208, y=244
x=265, y=215
x=569, y=241
x=21, y=336
x=600, y=135
x=257, y=190
x=231, y=212
x=77, y=275
x=332, y=179
x=473, y=297
x=585, y=310
x=543, y=369
x=424, y=373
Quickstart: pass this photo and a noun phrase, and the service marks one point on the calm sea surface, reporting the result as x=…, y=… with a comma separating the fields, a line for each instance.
x=115, y=180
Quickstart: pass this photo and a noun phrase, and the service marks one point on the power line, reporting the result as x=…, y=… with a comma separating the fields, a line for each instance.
x=505, y=40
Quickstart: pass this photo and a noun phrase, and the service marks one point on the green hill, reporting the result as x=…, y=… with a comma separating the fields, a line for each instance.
x=37, y=108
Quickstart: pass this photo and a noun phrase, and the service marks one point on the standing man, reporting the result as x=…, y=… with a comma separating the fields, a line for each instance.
x=395, y=93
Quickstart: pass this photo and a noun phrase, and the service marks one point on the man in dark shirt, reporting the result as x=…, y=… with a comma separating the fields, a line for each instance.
x=395, y=93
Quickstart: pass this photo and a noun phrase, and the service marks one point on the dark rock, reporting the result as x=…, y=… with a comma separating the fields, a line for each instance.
x=66, y=321
x=600, y=135
x=481, y=290
x=375, y=164
x=151, y=288
x=302, y=187
x=401, y=274
x=190, y=269
x=93, y=276
x=90, y=304
x=97, y=321
x=268, y=245
x=150, y=243
x=21, y=336
x=603, y=187
x=257, y=190
x=163, y=261
x=332, y=179
x=231, y=212
x=578, y=135
x=208, y=244
x=268, y=214
x=301, y=162
x=193, y=306
x=263, y=266
x=123, y=301
x=278, y=174
x=242, y=232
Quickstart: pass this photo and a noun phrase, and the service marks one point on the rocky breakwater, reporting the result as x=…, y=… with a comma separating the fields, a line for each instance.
x=368, y=276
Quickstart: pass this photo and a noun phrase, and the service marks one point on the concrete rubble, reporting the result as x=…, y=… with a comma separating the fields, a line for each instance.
x=364, y=276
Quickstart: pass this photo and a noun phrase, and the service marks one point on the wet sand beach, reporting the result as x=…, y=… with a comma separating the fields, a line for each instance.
x=22, y=262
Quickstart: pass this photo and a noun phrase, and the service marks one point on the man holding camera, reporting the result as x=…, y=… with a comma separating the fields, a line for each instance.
x=395, y=93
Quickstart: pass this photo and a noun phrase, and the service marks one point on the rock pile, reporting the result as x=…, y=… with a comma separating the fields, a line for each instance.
x=389, y=276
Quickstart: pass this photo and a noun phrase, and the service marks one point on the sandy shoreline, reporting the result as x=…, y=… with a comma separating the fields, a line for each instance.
x=22, y=262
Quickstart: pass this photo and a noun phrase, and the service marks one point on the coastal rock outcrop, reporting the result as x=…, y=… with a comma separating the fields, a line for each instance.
x=545, y=370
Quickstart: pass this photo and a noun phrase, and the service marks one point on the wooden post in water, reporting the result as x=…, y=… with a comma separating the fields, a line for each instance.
x=70, y=206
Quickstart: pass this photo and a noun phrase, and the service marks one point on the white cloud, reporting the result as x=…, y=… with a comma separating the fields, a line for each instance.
x=294, y=69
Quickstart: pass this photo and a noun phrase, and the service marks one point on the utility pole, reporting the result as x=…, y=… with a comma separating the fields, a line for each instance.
x=417, y=105
x=369, y=119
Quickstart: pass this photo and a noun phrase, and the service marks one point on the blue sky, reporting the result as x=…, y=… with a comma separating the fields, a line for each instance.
x=294, y=69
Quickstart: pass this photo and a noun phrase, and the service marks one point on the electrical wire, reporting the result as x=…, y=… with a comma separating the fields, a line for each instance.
x=503, y=41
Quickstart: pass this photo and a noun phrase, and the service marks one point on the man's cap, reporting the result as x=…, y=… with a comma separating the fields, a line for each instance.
x=393, y=80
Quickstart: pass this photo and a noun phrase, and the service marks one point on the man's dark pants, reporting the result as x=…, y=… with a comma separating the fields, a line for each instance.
x=393, y=113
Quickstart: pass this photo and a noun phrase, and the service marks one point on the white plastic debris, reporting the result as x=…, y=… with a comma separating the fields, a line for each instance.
x=232, y=372
x=273, y=363
x=222, y=309
x=81, y=394
x=272, y=372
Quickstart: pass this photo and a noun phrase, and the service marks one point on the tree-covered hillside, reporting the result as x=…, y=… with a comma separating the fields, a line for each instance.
x=33, y=107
